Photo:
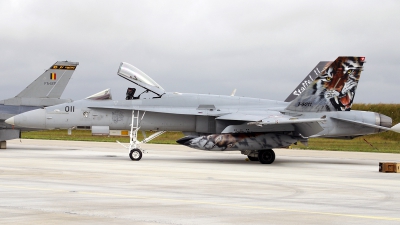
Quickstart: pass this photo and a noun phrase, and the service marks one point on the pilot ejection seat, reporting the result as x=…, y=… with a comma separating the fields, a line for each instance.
x=130, y=94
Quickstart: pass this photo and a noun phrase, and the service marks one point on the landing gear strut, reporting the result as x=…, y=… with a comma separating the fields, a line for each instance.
x=135, y=152
x=266, y=156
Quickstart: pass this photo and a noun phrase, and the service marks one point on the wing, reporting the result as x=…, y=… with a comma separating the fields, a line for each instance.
x=272, y=121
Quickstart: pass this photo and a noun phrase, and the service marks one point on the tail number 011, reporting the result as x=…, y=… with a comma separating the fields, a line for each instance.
x=69, y=108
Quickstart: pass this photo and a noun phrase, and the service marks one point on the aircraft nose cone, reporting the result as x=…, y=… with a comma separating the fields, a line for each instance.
x=10, y=121
x=32, y=119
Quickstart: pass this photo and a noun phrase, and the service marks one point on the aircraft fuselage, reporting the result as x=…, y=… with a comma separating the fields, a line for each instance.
x=194, y=113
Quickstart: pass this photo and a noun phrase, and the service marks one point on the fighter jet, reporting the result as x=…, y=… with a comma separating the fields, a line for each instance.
x=252, y=126
x=45, y=91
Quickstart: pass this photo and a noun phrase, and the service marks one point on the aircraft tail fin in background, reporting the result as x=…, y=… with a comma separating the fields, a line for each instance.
x=52, y=83
x=333, y=90
x=308, y=80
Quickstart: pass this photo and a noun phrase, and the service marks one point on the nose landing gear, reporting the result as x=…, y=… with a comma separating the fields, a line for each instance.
x=135, y=152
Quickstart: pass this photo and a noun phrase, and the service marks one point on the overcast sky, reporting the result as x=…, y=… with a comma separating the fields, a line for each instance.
x=262, y=48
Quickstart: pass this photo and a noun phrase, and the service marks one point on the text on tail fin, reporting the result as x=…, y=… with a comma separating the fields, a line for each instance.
x=308, y=80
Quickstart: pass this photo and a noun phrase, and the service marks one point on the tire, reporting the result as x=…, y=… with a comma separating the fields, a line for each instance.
x=135, y=154
x=251, y=158
x=266, y=156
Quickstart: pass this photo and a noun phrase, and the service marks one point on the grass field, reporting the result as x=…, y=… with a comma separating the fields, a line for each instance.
x=384, y=142
x=86, y=135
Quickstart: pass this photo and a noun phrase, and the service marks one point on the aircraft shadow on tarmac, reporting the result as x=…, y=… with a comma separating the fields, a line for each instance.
x=50, y=148
x=218, y=159
x=278, y=162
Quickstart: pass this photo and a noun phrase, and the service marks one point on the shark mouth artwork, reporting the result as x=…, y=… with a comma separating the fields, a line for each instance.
x=236, y=141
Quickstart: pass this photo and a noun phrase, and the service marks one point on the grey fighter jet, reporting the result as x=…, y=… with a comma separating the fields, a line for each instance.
x=45, y=91
x=252, y=126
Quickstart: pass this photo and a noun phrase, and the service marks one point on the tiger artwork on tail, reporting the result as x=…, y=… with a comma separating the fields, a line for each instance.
x=334, y=89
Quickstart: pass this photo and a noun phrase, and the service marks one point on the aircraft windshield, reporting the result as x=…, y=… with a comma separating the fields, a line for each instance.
x=134, y=73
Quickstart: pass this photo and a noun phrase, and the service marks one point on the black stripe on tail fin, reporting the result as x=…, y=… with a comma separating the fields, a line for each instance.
x=334, y=89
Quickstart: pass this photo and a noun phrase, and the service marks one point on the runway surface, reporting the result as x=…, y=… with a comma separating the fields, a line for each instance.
x=64, y=182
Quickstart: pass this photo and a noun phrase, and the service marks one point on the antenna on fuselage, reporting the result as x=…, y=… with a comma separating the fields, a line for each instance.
x=233, y=92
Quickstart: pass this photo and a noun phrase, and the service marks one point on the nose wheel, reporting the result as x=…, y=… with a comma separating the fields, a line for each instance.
x=135, y=154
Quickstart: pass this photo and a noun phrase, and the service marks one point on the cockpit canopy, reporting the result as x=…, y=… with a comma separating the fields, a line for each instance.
x=136, y=76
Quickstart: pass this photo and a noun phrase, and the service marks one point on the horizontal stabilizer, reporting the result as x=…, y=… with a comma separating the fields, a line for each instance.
x=367, y=124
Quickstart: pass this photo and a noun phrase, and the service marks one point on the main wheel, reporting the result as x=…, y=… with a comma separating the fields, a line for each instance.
x=251, y=158
x=135, y=154
x=266, y=156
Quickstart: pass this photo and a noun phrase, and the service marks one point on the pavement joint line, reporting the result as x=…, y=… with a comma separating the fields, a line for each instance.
x=207, y=203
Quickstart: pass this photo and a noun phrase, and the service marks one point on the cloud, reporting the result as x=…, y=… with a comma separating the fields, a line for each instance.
x=262, y=48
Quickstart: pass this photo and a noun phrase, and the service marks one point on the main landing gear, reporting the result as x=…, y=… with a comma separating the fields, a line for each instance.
x=266, y=156
x=135, y=152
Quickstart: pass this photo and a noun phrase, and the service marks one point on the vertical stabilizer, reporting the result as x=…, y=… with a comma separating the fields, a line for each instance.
x=334, y=89
x=308, y=80
x=51, y=83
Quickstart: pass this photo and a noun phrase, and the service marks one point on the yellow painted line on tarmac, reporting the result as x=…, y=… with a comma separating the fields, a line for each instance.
x=207, y=203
